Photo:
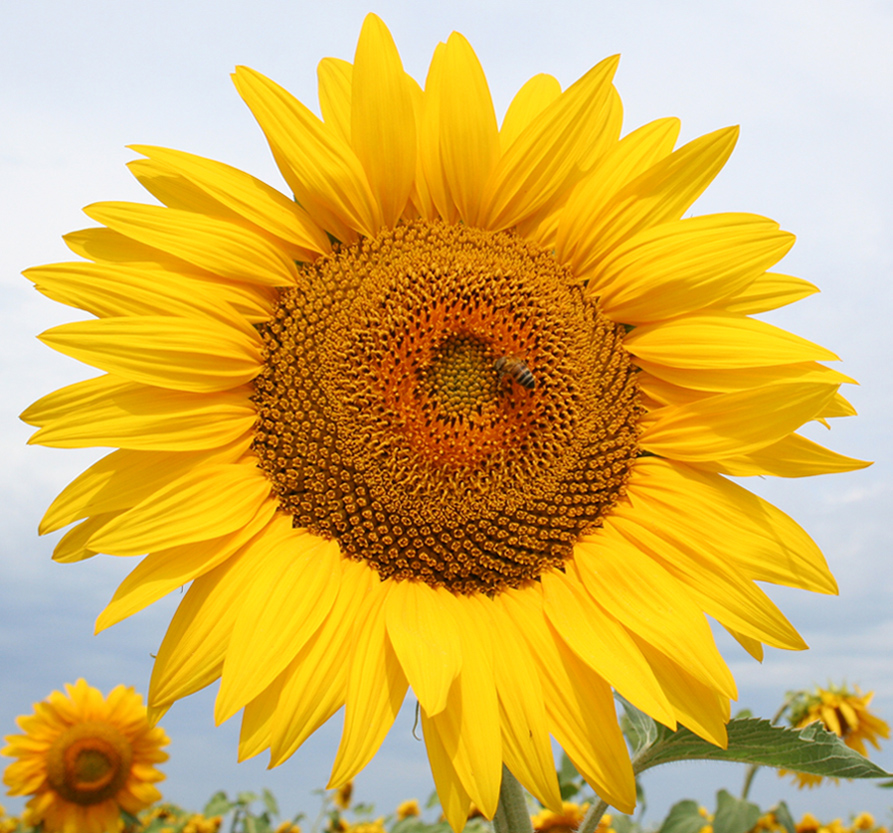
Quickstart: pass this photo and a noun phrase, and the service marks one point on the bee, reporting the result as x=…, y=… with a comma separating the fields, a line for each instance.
x=517, y=369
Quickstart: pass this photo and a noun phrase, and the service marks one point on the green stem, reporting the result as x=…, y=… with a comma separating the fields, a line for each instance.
x=748, y=780
x=512, y=815
x=593, y=817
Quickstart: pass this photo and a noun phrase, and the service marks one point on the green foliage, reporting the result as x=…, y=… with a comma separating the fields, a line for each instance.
x=684, y=817
x=244, y=818
x=783, y=817
x=734, y=815
x=569, y=780
x=812, y=749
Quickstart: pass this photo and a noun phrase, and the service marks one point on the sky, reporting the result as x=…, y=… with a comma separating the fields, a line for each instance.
x=810, y=83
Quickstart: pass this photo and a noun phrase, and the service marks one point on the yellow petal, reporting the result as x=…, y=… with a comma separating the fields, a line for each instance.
x=631, y=158
x=219, y=246
x=382, y=121
x=837, y=406
x=526, y=748
x=106, y=245
x=469, y=726
x=602, y=643
x=57, y=405
x=255, y=731
x=696, y=706
x=430, y=155
x=469, y=137
x=420, y=196
x=658, y=392
x=246, y=196
x=743, y=378
x=753, y=646
x=768, y=544
x=376, y=689
x=205, y=503
x=175, y=191
x=721, y=340
x=192, y=652
x=538, y=163
x=768, y=291
x=111, y=290
x=652, y=605
x=72, y=546
x=829, y=718
x=662, y=193
x=317, y=685
x=720, y=591
x=454, y=799
x=125, y=478
x=322, y=170
x=682, y=266
x=335, y=79
x=728, y=424
x=579, y=703
x=188, y=354
x=422, y=626
x=161, y=572
x=282, y=609
x=109, y=412
x=792, y=456
x=533, y=97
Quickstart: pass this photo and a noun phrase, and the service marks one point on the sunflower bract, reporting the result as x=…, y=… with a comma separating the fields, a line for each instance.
x=315, y=425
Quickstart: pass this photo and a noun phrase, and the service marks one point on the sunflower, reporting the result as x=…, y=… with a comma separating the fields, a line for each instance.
x=566, y=821
x=841, y=711
x=84, y=758
x=454, y=414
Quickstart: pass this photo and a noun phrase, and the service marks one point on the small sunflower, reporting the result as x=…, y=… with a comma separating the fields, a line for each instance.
x=454, y=413
x=84, y=758
x=842, y=711
x=566, y=821
x=408, y=809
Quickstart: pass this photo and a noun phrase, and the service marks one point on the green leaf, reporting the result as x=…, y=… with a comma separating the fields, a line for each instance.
x=684, y=817
x=569, y=781
x=270, y=802
x=812, y=749
x=783, y=817
x=638, y=728
x=129, y=819
x=734, y=815
x=218, y=805
x=622, y=824
x=412, y=824
x=246, y=798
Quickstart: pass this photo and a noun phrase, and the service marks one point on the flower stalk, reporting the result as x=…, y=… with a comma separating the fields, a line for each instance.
x=512, y=815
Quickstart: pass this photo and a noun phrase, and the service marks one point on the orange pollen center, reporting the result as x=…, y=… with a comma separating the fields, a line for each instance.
x=89, y=763
x=447, y=404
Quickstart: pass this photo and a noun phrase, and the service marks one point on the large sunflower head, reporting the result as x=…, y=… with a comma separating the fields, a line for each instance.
x=84, y=758
x=454, y=413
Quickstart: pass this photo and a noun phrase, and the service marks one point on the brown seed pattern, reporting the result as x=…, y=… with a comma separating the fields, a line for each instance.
x=384, y=423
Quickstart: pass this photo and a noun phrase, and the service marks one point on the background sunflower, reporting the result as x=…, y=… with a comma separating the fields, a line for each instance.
x=794, y=163
x=83, y=758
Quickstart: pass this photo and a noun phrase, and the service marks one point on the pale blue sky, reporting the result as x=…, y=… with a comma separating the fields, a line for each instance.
x=810, y=83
